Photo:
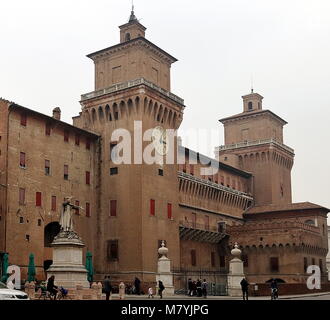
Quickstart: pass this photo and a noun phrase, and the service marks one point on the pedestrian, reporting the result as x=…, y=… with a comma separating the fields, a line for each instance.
x=274, y=289
x=245, y=289
x=190, y=287
x=161, y=288
x=150, y=293
x=137, y=283
x=107, y=287
x=194, y=288
x=51, y=288
x=199, y=288
x=122, y=291
x=204, y=288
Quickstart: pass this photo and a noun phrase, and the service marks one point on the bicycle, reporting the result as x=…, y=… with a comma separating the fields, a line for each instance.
x=63, y=294
x=274, y=294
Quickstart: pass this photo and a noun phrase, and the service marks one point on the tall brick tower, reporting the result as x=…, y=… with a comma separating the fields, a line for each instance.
x=137, y=202
x=254, y=142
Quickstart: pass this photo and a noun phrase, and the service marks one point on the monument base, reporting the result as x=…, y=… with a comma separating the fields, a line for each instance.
x=67, y=266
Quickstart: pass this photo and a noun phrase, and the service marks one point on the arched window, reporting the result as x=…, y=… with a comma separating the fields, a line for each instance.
x=311, y=222
x=250, y=105
x=51, y=231
x=127, y=37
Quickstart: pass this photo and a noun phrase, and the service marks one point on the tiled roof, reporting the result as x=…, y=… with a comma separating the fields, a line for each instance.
x=284, y=207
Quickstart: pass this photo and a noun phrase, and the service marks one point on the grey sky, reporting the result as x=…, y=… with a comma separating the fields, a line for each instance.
x=284, y=44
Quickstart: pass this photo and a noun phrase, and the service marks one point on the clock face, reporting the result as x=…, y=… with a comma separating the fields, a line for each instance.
x=160, y=140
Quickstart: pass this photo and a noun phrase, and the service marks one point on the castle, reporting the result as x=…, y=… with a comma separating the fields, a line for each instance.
x=243, y=195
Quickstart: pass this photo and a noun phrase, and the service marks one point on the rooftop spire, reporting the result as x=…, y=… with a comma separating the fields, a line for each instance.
x=132, y=17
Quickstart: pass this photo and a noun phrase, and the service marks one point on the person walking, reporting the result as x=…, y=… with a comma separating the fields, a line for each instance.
x=107, y=287
x=150, y=293
x=137, y=284
x=194, y=288
x=51, y=288
x=204, y=288
x=190, y=287
x=245, y=289
x=199, y=288
x=122, y=291
x=161, y=288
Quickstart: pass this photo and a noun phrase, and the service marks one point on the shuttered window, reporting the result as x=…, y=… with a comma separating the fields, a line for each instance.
x=38, y=199
x=113, y=208
x=152, y=207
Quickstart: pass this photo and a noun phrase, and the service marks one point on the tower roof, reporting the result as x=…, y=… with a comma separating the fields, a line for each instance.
x=132, y=16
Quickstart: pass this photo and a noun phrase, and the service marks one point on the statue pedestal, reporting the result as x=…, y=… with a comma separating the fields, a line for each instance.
x=67, y=266
x=236, y=273
x=164, y=273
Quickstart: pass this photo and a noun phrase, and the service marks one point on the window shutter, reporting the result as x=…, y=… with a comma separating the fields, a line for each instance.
x=88, y=212
x=152, y=207
x=38, y=199
x=169, y=211
x=113, y=208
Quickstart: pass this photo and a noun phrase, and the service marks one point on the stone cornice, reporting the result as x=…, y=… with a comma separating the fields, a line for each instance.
x=249, y=115
x=137, y=42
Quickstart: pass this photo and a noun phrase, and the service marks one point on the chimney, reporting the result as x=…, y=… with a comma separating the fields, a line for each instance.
x=57, y=113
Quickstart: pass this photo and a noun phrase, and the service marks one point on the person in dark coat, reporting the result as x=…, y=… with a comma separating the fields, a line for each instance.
x=274, y=289
x=199, y=288
x=137, y=284
x=194, y=288
x=204, y=288
x=161, y=288
x=190, y=287
x=107, y=287
x=245, y=289
x=51, y=288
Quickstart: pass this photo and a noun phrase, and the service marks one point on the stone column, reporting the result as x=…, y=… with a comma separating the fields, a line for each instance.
x=164, y=273
x=236, y=273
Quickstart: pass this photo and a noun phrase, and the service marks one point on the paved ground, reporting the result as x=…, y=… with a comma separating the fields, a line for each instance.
x=315, y=296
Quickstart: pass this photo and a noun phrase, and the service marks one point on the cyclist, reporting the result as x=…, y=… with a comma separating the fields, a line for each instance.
x=274, y=289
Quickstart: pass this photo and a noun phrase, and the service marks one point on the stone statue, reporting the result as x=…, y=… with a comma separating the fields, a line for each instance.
x=66, y=220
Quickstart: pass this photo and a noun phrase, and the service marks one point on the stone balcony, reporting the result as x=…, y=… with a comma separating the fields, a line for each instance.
x=199, y=232
x=253, y=143
x=131, y=84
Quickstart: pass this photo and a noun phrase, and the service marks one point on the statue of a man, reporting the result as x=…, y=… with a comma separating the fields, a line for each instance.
x=66, y=220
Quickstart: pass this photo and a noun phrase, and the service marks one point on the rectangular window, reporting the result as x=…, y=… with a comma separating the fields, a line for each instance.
x=53, y=204
x=207, y=223
x=66, y=172
x=88, y=210
x=113, y=171
x=274, y=265
x=77, y=140
x=222, y=261
x=222, y=180
x=66, y=136
x=21, y=196
x=112, y=250
x=305, y=264
x=113, y=208
x=193, y=257
x=213, y=259
x=192, y=169
x=88, y=144
x=38, y=199
x=161, y=172
x=152, y=207
x=321, y=265
x=313, y=261
x=47, y=129
x=47, y=167
x=22, y=160
x=113, y=151
x=77, y=203
x=228, y=182
x=39, y=222
x=221, y=227
x=194, y=220
x=88, y=177
x=23, y=119
x=169, y=211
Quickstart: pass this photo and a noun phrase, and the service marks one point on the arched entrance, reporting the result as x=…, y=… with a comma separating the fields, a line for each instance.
x=50, y=232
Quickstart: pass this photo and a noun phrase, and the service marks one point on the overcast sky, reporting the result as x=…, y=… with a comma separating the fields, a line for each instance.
x=283, y=44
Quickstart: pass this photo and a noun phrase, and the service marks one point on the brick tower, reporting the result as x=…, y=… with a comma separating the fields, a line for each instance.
x=138, y=202
x=254, y=142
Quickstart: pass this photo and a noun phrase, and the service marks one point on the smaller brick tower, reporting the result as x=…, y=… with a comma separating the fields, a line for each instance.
x=254, y=142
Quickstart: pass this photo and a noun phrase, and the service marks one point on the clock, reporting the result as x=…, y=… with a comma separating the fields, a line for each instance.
x=160, y=141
